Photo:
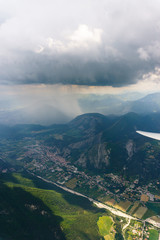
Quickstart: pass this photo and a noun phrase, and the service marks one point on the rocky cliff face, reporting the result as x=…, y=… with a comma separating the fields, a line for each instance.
x=131, y=149
x=96, y=142
x=97, y=156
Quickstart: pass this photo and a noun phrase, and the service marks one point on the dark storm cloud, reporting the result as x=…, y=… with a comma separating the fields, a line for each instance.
x=110, y=43
x=72, y=70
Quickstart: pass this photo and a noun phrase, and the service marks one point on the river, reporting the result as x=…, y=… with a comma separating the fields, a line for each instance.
x=99, y=204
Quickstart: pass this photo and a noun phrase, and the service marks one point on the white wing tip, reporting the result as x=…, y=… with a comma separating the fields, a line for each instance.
x=149, y=134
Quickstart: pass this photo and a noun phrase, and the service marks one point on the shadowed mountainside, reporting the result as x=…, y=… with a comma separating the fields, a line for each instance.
x=99, y=143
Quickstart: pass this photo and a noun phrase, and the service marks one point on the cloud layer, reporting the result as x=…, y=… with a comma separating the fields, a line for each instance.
x=95, y=43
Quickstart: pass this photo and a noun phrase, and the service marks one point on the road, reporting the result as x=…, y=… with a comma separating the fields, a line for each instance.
x=126, y=225
x=101, y=205
x=98, y=204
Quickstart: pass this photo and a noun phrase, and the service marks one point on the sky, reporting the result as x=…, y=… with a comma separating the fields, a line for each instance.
x=53, y=51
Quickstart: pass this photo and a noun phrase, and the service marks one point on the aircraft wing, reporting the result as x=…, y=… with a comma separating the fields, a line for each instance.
x=150, y=134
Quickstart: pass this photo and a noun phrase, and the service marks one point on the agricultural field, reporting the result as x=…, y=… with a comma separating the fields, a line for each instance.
x=156, y=218
x=153, y=234
x=106, y=227
x=110, y=202
x=123, y=205
x=104, y=198
x=140, y=212
x=134, y=208
x=71, y=183
x=154, y=207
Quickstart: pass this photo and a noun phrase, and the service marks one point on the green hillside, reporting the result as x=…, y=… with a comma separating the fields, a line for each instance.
x=32, y=209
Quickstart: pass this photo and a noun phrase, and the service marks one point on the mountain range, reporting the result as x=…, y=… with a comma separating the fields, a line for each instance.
x=121, y=104
x=99, y=143
x=46, y=114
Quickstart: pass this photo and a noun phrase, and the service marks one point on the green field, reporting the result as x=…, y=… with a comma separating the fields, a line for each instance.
x=153, y=234
x=154, y=207
x=32, y=209
x=106, y=227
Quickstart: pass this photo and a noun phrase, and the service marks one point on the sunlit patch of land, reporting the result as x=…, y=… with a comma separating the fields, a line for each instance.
x=78, y=216
x=106, y=227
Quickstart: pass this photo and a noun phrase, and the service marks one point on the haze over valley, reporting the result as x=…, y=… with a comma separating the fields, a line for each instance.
x=47, y=112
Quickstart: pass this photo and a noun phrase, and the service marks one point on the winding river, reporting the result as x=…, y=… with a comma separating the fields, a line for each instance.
x=102, y=205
